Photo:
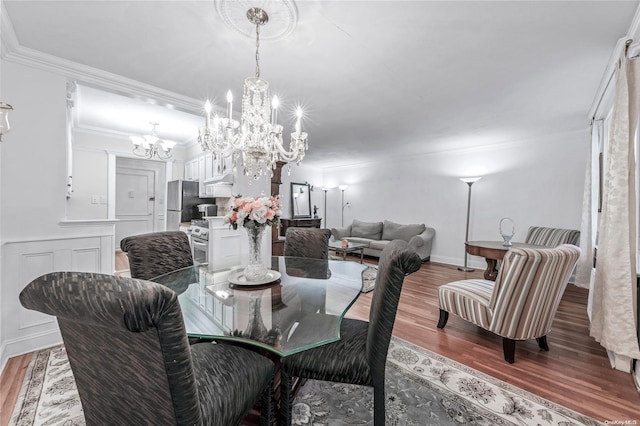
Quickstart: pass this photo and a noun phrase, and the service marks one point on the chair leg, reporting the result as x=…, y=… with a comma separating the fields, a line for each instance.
x=542, y=342
x=378, y=404
x=444, y=317
x=509, y=348
x=286, y=398
x=266, y=405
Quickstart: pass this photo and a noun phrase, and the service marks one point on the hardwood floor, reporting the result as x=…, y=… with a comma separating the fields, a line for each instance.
x=574, y=373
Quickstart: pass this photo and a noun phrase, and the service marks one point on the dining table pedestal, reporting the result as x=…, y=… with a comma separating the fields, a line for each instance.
x=493, y=252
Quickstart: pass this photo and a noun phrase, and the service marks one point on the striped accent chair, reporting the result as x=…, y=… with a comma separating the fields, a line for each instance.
x=132, y=363
x=157, y=253
x=552, y=237
x=307, y=242
x=522, y=302
x=359, y=356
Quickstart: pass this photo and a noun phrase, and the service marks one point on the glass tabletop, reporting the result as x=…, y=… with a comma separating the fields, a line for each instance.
x=300, y=310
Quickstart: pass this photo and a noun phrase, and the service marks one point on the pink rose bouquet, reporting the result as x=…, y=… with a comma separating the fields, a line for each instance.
x=262, y=211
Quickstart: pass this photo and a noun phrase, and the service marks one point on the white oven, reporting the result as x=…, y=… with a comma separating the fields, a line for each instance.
x=199, y=250
x=199, y=238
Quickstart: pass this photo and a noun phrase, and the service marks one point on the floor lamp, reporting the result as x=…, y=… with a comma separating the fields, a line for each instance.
x=342, y=188
x=469, y=181
x=325, y=189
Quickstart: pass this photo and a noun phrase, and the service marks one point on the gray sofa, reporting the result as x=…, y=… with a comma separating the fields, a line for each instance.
x=378, y=234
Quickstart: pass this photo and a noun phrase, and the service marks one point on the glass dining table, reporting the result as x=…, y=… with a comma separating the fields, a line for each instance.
x=300, y=310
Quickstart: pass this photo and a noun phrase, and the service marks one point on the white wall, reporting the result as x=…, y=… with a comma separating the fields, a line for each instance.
x=34, y=154
x=534, y=182
x=91, y=171
x=34, y=236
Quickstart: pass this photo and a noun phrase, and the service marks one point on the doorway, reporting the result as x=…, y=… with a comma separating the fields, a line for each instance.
x=140, y=187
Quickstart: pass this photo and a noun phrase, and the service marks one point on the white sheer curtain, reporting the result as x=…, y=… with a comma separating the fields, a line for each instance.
x=589, y=209
x=613, y=322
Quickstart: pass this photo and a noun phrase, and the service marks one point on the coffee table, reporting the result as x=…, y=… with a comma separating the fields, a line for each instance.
x=351, y=248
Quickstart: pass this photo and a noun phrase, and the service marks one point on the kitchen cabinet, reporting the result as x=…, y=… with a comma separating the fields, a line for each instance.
x=201, y=189
x=218, y=190
x=216, y=166
x=229, y=247
x=209, y=166
x=191, y=170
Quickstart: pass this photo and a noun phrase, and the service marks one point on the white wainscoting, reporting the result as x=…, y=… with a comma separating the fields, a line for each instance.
x=89, y=247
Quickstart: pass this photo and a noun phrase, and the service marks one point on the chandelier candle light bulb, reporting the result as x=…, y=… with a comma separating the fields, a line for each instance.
x=207, y=109
x=229, y=107
x=274, y=111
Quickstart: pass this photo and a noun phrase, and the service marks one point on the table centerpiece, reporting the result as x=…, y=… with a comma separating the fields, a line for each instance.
x=254, y=214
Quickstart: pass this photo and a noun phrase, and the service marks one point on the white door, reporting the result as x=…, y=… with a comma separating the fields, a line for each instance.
x=135, y=202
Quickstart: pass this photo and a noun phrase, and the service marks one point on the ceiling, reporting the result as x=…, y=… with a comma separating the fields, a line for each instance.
x=376, y=79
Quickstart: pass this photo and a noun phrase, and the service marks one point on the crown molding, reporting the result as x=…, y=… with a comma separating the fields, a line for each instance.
x=604, y=94
x=8, y=39
x=12, y=51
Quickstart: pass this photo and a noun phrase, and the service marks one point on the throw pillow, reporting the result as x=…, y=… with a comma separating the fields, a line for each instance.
x=371, y=230
x=340, y=233
x=396, y=231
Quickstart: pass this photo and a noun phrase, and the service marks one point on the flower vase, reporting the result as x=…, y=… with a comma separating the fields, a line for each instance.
x=256, y=269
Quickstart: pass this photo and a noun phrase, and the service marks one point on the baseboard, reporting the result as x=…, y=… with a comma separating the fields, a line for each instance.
x=26, y=344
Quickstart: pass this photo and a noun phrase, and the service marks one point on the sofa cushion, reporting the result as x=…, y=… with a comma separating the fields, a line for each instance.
x=378, y=245
x=340, y=233
x=371, y=230
x=396, y=231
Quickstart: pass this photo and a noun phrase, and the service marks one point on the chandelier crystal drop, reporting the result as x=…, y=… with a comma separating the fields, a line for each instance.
x=149, y=146
x=256, y=140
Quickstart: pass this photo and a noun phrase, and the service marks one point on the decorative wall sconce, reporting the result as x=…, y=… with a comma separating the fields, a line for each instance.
x=4, y=119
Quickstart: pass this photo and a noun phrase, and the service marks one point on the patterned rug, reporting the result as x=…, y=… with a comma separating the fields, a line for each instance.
x=368, y=275
x=422, y=388
x=369, y=278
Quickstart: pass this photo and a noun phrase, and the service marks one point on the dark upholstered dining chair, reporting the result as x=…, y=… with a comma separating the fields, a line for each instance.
x=522, y=302
x=307, y=242
x=132, y=364
x=359, y=356
x=157, y=253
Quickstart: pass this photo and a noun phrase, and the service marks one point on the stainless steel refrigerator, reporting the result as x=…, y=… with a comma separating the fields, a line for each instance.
x=182, y=200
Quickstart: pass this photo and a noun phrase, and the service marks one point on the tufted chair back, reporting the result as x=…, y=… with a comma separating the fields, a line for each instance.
x=307, y=242
x=397, y=260
x=157, y=253
x=131, y=360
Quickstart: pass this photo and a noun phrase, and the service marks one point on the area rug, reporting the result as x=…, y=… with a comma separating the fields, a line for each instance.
x=422, y=388
x=368, y=275
x=369, y=278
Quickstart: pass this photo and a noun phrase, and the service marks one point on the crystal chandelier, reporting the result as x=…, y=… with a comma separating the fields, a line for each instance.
x=148, y=146
x=255, y=141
